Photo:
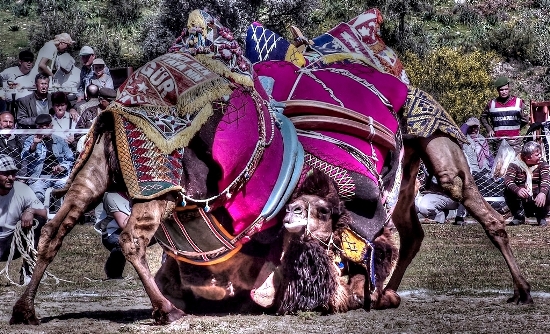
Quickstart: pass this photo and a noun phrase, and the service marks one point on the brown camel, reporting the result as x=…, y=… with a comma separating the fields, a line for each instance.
x=101, y=172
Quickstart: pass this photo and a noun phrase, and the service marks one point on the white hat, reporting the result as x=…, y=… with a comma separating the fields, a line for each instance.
x=86, y=51
x=65, y=61
x=98, y=61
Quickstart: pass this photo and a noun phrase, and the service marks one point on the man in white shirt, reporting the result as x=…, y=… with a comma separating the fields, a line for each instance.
x=26, y=59
x=61, y=118
x=17, y=203
x=67, y=77
x=18, y=76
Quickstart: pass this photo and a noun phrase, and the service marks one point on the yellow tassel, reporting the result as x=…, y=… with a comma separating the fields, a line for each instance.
x=220, y=68
x=182, y=139
x=336, y=57
x=199, y=95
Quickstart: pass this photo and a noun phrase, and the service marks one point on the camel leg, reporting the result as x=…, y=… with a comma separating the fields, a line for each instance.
x=445, y=158
x=142, y=225
x=410, y=230
x=87, y=187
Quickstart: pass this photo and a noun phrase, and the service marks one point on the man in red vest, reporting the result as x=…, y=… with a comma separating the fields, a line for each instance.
x=505, y=115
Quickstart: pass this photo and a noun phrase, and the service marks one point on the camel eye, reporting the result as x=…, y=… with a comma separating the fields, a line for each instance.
x=324, y=210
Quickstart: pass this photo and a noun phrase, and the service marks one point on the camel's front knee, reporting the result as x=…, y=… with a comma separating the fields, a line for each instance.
x=453, y=186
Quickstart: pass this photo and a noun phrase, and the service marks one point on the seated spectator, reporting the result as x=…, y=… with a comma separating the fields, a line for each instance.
x=26, y=59
x=106, y=95
x=435, y=205
x=100, y=78
x=67, y=76
x=17, y=203
x=47, y=55
x=19, y=75
x=61, y=118
x=87, y=56
x=10, y=144
x=49, y=158
x=527, y=182
x=92, y=93
x=34, y=104
x=480, y=159
x=117, y=210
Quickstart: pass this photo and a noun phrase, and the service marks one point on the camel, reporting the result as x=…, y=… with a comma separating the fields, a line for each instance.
x=106, y=163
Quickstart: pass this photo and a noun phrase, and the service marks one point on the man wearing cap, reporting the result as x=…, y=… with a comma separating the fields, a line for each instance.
x=67, y=76
x=505, y=115
x=49, y=158
x=87, y=55
x=17, y=203
x=47, y=55
x=100, y=78
x=106, y=96
x=11, y=144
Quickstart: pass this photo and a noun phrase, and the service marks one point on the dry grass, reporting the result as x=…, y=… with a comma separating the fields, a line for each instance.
x=457, y=283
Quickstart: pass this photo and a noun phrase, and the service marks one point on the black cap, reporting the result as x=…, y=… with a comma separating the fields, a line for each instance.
x=43, y=119
x=107, y=93
x=26, y=55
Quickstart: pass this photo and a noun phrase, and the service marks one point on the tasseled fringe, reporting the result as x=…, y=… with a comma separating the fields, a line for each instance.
x=182, y=139
x=220, y=68
x=196, y=97
x=336, y=57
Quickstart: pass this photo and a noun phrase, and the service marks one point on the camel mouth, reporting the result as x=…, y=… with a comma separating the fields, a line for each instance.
x=295, y=226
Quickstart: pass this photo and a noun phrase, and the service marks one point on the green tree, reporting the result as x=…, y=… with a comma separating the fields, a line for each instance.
x=462, y=83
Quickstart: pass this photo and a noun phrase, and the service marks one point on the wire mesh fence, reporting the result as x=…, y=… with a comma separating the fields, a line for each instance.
x=42, y=173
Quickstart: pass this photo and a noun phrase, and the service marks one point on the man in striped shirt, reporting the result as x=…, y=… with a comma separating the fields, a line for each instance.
x=505, y=115
x=527, y=182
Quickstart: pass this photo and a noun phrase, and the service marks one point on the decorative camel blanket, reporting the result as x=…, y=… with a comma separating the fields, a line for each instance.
x=361, y=35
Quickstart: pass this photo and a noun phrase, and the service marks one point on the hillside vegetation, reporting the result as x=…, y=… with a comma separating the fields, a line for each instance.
x=451, y=48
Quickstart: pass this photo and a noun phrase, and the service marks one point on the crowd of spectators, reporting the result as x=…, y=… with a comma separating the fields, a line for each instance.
x=47, y=93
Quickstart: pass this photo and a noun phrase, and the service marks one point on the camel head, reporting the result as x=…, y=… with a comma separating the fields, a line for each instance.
x=315, y=210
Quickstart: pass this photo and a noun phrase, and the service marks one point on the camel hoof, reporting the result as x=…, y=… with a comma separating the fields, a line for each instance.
x=22, y=315
x=521, y=299
x=162, y=318
x=388, y=299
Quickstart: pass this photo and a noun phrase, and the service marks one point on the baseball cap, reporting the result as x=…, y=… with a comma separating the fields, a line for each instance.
x=86, y=51
x=98, y=61
x=65, y=61
x=7, y=163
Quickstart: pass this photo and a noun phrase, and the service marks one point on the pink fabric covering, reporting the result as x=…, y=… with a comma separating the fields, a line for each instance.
x=234, y=142
x=350, y=92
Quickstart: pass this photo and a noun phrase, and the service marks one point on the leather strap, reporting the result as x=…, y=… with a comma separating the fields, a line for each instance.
x=346, y=126
x=308, y=107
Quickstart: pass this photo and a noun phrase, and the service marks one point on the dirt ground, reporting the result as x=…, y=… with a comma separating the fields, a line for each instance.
x=437, y=296
x=100, y=311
